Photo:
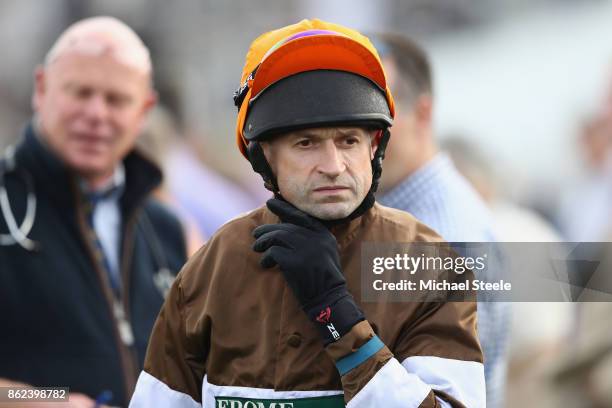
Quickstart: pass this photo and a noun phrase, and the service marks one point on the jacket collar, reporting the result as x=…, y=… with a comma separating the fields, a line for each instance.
x=345, y=230
x=60, y=184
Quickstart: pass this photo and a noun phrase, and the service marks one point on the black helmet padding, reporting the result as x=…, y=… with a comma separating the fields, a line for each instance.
x=320, y=98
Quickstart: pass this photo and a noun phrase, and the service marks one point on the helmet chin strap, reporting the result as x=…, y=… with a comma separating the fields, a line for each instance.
x=260, y=165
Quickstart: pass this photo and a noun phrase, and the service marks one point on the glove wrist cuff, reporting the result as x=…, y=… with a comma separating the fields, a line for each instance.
x=336, y=318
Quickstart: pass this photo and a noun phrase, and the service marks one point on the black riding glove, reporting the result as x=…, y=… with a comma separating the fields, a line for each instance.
x=307, y=254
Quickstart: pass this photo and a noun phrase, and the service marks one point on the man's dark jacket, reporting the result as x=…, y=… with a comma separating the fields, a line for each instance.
x=57, y=325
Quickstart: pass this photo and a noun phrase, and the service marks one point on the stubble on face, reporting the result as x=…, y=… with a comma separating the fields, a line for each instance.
x=325, y=206
x=326, y=185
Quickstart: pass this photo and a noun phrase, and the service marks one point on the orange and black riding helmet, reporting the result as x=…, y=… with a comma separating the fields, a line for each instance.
x=311, y=74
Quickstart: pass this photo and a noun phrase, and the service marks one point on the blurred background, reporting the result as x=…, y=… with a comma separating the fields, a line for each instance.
x=523, y=94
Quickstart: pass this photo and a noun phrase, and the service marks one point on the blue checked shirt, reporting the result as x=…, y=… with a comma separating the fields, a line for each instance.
x=441, y=198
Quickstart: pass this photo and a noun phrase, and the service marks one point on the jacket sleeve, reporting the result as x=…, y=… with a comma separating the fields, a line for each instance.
x=174, y=365
x=437, y=362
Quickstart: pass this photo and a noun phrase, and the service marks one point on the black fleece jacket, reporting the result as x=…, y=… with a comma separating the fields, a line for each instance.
x=57, y=324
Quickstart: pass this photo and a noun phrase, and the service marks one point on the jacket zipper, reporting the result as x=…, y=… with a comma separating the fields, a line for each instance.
x=122, y=329
x=126, y=258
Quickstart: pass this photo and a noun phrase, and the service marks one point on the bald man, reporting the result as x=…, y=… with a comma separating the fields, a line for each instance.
x=86, y=255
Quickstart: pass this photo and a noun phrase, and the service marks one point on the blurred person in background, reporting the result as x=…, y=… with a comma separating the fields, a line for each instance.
x=586, y=209
x=511, y=222
x=421, y=180
x=538, y=329
x=86, y=255
x=159, y=140
x=583, y=374
x=190, y=182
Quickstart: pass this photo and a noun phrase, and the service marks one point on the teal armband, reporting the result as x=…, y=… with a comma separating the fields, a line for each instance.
x=346, y=364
